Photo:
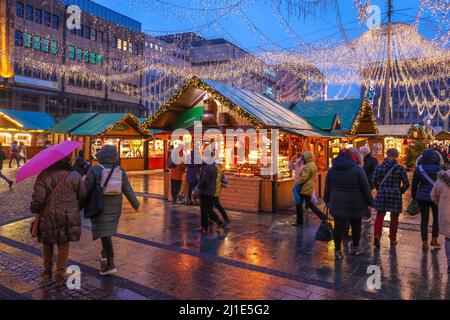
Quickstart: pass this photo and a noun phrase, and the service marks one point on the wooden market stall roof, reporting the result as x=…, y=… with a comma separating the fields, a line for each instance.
x=260, y=110
x=442, y=135
x=353, y=116
x=25, y=120
x=95, y=124
x=405, y=131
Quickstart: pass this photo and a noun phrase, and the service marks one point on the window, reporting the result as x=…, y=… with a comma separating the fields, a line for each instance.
x=18, y=38
x=73, y=31
x=38, y=16
x=125, y=45
x=53, y=77
x=93, y=57
x=54, y=47
x=114, y=42
x=29, y=13
x=37, y=43
x=86, y=56
x=45, y=75
x=72, y=52
x=80, y=32
x=47, y=18
x=55, y=22
x=136, y=48
x=36, y=73
x=98, y=85
x=99, y=59
x=87, y=32
x=79, y=54
x=130, y=47
x=45, y=45
x=119, y=44
x=27, y=42
x=100, y=36
x=19, y=9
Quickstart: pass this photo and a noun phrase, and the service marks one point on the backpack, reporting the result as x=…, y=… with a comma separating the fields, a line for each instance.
x=112, y=181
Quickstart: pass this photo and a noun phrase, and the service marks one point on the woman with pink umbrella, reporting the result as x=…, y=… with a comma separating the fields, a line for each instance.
x=59, y=194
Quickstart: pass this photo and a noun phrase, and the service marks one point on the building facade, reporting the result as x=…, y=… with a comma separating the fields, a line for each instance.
x=61, y=71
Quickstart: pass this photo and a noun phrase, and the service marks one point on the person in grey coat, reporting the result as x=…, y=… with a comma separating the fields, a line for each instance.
x=105, y=225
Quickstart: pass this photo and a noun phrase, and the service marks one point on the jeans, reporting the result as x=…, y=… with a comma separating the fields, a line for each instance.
x=309, y=204
x=175, y=189
x=447, y=250
x=393, y=227
x=340, y=228
x=219, y=207
x=107, y=247
x=14, y=156
x=425, y=217
x=207, y=210
x=4, y=177
x=63, y=256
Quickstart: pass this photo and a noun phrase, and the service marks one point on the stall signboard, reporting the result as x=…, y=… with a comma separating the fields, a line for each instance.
x=188, y=118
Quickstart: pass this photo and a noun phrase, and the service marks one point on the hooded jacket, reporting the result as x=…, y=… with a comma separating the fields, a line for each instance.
x=440, y=194
x=106, y=224
x=308, y=174
x=370, y=163
x=347, y=191
x=421, y=187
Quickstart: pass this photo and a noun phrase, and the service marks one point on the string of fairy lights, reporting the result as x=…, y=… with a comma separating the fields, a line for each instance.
x=419, y=64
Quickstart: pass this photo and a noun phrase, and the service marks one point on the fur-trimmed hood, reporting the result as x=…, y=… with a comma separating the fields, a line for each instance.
x=445, y=176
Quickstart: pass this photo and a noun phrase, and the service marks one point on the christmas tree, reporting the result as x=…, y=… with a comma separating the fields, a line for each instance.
x=413, y=152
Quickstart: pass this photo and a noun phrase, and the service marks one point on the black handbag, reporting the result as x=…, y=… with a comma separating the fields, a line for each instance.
x=95, y=201
x=325, y=231
x=413, y=208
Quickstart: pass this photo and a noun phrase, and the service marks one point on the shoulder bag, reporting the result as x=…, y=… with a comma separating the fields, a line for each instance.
x=95, y=201
x=387, y=176
x=325, y=231
x=34, y=228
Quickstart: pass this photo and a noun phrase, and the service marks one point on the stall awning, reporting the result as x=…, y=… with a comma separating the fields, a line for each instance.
x=398, y=130
x=28, y=120
x=71, y=122
x=314, y=134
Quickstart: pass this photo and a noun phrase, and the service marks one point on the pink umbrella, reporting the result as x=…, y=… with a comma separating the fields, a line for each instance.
x=46, y=158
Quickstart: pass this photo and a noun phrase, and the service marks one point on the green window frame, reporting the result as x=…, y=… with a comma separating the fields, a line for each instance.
x=79, y=54
x=53, y=47
x=86, y=56
x=27, y=40
x=72, y=52
x=93, y=56
x=45, y=45
x=37, y=43
x=99, y=59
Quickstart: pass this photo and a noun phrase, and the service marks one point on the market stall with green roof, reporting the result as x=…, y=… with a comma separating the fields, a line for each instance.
x=353, y=119
x=122, y=130
x=218, y=106
x=25, y=127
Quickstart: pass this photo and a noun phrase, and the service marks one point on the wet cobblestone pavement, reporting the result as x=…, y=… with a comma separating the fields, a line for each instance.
x=160, y=255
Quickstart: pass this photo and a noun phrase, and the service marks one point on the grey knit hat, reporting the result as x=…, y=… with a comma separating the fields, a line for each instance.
x=392, y=153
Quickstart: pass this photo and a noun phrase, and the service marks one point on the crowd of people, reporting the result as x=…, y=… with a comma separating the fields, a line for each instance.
x=349, y=189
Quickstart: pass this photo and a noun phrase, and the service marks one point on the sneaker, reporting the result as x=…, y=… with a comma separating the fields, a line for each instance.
x=10, y=183
x=338, y=255
x=355, y=251
x=108, y=269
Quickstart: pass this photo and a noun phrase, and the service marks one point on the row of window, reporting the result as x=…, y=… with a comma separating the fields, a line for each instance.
x=85, y=83
x=37, y=15
x=34, y=73
x=88, y=33
x=125, y=88
x=85, y=56
x=36, y=42
x=125, y=45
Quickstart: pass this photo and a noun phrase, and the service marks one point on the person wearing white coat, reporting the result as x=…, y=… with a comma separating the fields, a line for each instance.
x=440, y=194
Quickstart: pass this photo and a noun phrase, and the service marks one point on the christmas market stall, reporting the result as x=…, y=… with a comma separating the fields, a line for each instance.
x=442, y=137
x=224, y=108
x=352, y=119
x=399, y=137
x=155, y=149
x=97, y=129
x=25, y=127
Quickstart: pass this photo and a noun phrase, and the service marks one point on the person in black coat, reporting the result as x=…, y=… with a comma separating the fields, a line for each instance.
x=427, y=169
x=347, y=195
x=370, y=163
x=2, y=158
